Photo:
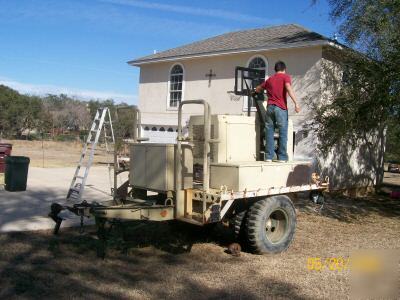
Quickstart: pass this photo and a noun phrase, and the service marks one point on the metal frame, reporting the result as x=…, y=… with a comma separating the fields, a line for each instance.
x=225, y=198
x=219, y=201
x=245, y=90
x=206, y=155
x=137, y=138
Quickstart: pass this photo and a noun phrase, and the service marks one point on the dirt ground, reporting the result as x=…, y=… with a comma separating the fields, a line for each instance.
x=180, y=261
x=52, y=154
x=172, y=260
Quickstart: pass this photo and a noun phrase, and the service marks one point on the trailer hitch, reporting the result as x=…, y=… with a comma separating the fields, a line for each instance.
x=55, y=209
x=82, y=209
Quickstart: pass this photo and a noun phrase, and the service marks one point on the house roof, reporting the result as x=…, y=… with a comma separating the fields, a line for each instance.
x=267, y=38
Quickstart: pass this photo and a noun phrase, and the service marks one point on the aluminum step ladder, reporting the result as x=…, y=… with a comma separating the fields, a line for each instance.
x=102, y=122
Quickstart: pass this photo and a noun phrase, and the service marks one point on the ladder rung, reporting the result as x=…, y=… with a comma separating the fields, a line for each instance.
x=79, y=177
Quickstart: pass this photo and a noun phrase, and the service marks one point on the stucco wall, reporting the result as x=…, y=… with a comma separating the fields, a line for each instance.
x=153, y=89
x=346, y=167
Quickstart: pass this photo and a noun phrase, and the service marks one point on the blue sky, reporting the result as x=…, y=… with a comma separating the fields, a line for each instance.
x=80, y=47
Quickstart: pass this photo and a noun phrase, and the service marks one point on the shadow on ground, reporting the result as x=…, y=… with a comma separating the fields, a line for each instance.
x=37, y=265
x=176, y=260
x=347, y=209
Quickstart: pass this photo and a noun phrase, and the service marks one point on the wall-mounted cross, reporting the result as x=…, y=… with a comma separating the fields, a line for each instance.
x=210, y=75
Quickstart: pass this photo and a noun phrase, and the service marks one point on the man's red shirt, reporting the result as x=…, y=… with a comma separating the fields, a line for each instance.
x=276, y=90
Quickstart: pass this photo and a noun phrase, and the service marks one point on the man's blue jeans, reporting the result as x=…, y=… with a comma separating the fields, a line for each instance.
x=276, y=117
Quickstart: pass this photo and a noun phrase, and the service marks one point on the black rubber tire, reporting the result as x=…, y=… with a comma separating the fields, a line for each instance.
x=271, y=225
x=239, y=224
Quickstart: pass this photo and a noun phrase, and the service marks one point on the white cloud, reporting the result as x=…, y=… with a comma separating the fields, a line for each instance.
x=108, y=17
x=43, y=89
x=190, y=10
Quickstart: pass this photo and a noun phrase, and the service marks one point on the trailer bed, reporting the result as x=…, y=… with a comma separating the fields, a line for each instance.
x=255, y=175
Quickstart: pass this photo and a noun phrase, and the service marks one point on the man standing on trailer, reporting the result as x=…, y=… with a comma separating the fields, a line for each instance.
x=277, y=86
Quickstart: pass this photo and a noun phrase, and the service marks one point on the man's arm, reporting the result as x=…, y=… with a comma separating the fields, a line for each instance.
x=259, y=88
x=289, y=90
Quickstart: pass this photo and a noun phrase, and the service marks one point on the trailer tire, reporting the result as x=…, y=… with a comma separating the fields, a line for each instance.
x=239, y=225
x=271, y=224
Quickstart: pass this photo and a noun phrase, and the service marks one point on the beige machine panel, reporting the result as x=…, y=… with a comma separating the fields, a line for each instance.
x=256, y=175
x=152, y=166
x=236, y=135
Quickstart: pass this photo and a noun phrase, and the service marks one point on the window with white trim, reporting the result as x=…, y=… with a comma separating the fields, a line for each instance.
x=258, y=63
x=175, y=86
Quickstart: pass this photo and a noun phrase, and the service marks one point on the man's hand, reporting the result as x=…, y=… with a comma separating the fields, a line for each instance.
x=292, y=96
x=258, y=89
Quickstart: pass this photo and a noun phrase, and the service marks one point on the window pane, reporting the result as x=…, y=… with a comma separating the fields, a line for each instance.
x=175, y=86
x=259, y=64
x=177, y=69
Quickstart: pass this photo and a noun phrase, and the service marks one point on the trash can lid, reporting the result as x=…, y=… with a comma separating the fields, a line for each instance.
x=17, y=160
x=6, y=145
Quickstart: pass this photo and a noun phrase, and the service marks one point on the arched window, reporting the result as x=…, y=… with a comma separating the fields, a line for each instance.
x=162, y=129
x=259, y=63
x=175, y=85
x=170, y=130
x=154, y=129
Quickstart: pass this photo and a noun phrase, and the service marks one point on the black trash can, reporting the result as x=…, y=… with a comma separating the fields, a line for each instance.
x=16, y=174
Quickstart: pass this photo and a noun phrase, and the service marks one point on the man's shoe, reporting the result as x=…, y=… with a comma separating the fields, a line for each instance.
x=268, y=160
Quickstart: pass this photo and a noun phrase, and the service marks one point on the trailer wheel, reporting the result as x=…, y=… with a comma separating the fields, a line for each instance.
x=239, y=225
x=271, y=224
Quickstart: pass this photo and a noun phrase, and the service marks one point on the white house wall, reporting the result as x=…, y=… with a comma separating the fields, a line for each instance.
x=346, y=167
x=153, y=88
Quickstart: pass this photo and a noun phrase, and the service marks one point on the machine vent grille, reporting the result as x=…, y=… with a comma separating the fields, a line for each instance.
x=198, y=141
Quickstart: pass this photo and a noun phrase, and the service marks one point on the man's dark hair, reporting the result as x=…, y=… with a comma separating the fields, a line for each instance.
x=280, y=66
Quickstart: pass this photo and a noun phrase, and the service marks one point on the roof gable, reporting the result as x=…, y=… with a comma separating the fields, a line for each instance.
x=283, y=36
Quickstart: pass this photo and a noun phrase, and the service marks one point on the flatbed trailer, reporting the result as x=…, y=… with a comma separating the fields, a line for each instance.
x=252, y=195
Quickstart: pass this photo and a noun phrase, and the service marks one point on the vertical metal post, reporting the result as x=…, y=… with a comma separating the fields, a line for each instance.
x=139, y=123
x=135, y=125
x=206, y=155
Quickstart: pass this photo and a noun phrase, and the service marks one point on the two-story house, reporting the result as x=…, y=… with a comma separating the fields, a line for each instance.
x=205, y=70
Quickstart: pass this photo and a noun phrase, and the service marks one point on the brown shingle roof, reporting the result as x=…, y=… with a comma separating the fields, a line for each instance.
x=283, y=36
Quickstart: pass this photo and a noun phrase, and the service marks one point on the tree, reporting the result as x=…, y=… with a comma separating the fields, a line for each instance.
x=20, y=112
x=67, y=113
x=366, y=97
